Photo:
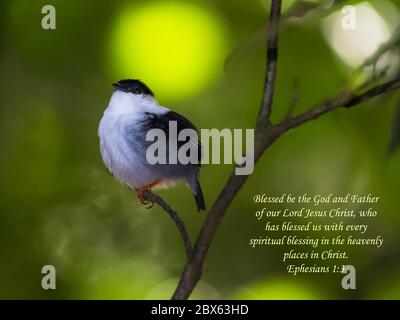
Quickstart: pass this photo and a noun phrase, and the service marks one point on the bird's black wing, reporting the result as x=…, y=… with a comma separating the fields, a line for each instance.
x=162, y=121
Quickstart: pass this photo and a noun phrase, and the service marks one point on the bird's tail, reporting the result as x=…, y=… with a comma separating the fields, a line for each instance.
x=194, y=185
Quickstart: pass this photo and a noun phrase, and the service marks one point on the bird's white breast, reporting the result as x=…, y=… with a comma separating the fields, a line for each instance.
x=124, y=160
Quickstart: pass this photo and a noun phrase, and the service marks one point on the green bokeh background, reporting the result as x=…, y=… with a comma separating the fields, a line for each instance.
x=59, y=206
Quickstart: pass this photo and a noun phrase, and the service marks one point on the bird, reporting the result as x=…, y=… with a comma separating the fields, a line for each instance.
x=131, y=112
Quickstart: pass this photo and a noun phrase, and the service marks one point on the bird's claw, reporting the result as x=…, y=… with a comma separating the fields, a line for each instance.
x=150, y=205
x=139, y=194
x=145, y=203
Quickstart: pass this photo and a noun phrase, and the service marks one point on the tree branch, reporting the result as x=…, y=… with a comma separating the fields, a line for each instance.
x=345, y=99
x=154, y=198
x=266, y=135
x=272, y=60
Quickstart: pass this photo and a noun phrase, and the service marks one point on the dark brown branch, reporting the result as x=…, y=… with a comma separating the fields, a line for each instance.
x=272, y=60
x=154, y=198
x=372, y=93
x=346, y=99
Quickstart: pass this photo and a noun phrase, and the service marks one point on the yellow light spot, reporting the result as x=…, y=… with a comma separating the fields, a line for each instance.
x=177, y=48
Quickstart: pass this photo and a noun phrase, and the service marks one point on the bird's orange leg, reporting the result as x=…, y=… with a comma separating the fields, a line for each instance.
x=139, y=192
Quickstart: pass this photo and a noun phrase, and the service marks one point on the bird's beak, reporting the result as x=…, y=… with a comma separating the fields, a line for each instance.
x=117, y=86
x=120, y=87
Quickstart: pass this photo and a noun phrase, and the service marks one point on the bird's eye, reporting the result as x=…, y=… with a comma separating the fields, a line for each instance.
x=138, y=91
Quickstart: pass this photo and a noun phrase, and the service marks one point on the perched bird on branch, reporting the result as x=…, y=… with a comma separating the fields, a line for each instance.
x=131, y=113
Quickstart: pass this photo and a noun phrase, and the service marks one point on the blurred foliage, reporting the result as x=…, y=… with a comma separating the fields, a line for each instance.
x=279, y=289
x=59, y=206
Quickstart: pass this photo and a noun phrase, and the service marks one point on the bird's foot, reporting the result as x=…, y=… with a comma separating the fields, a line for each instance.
x=139, y=193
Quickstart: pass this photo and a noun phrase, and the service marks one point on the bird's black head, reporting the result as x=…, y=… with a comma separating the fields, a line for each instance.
x=133, y=86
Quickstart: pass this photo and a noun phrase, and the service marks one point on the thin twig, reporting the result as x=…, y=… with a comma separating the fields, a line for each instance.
x=154, y=198
x=293, y=100
x=272, y=60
